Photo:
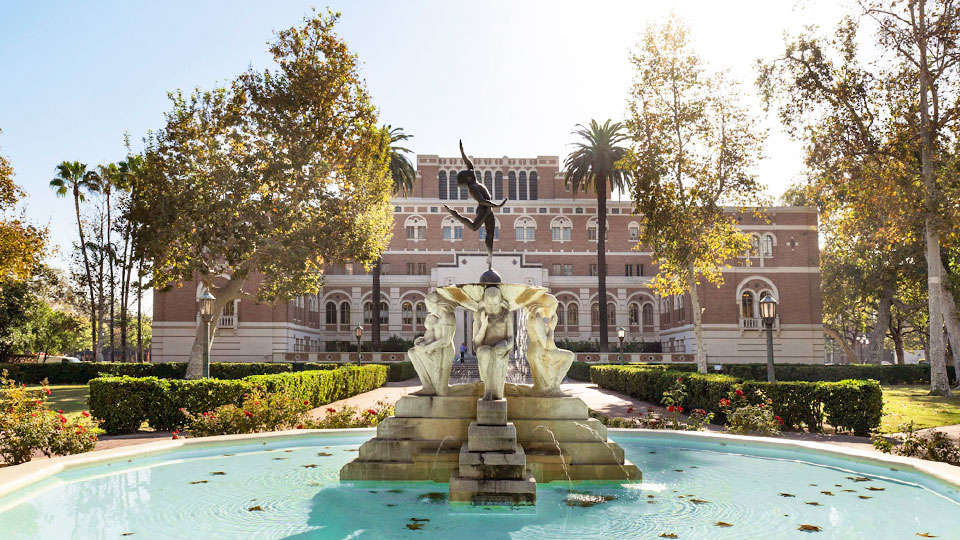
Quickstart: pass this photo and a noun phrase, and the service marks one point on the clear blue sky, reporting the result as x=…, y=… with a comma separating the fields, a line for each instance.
x=509, y=77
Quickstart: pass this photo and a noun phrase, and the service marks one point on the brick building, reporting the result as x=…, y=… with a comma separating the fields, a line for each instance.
x=547, y=238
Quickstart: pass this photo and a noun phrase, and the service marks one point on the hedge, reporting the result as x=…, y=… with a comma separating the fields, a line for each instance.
x=897, y=374
x=123, y=403
x=848, y=405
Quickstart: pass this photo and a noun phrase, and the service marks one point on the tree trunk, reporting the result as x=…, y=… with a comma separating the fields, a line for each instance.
x=897, y=336
x=86, y=266
x=878, y=335
x=110, y=264
x=697, y=317
x=602, y=261
x=126, y=265
x=375, y=311
x=847, y=349
x=225, y=294
x=139, y=312
x=953, y=329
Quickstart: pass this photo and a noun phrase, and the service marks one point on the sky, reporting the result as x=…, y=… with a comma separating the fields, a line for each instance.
x=510, y=78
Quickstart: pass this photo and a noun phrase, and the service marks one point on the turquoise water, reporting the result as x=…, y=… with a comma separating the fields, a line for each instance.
x=687, y=489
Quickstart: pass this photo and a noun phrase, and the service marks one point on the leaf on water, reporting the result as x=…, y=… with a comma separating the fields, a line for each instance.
x=125, y=534
x=651, y=452
x=848, y=490
x=827, y=493
x=312, y=466
x=199, y=482
x=314, y=484
x=668, y=535
x=352, y=450
x=814, y=485
x=786, y=495
x=698, y=501
x=395, y=490
x=723, y=524
x=814, y=503
x=649, y=496
x=678, y=470
x=218, y=473
x=838, y=485
x=279, y=458
x=324, y=454
x=257, y=508
x=651, y=502
x=414, y=526
x=288, y=450
x=389, y=504
x=419, y=519
x=694, y=467
x=872, y=488
x=809, y=528
x=859, y=478
x=865, y=497
x=926, y=535
x=225, y=455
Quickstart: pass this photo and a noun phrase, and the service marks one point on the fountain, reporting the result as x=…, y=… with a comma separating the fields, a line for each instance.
x=502, y=438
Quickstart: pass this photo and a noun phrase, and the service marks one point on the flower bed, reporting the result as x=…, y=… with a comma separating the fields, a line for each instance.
x=850, y=405
x=124, y=403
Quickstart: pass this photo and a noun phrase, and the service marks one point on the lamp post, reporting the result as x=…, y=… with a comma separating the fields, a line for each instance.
x=620, y=335
x=768, y=311
x=206, y=314
x=358, y=331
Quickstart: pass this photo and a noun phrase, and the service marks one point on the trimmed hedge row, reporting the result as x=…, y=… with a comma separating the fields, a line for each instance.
x=123, y=403
x=849, y=405
x=897, y=374
x=581, y=370
x=82, y=373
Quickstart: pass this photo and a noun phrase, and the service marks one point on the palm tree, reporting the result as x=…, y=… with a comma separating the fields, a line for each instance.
x=593, y=164
x=73, y=177
x=109, y=176
x=403, y=175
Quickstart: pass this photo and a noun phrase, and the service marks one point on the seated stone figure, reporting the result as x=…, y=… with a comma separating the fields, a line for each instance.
x=432, y=354
x=548, y=364
x=493, y=341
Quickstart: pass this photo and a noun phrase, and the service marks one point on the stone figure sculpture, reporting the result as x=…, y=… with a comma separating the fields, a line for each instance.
x=493, y=341
x=433, y=353
x=484, y=217
x=548, y=364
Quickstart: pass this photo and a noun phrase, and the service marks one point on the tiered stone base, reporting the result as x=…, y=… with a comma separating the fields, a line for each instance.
x=423, y=441
x=493, y=467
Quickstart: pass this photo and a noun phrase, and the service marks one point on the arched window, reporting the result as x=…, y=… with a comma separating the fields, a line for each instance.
x=498, y=186
x=512, y=186
x=595, y=314
x=345, y=313
x=384, y=313
x=525, y=229
x=452, y=229
x=421, y=313
x=634, y=229
x=664, y=311
x=573, y=314
x=522, y=185
x=442, y=185
x=611, y=315
x=561, y=229
x=453, y=190
x=496, y=231
x=767, y=245
x=463, y=191
x=592, y=229
x=634, y=314
x=681, y=308
x=488, y=181
x=746, y=305
x=416, y=228
x=406, y=313
x=754, y=249
x=368, y=313
x=648, y=314
x=533, y=186
x=331, y=310
x=561, y=312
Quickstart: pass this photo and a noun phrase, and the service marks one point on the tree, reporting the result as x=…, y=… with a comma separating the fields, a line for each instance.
x=73, y=177
x=402, y=174
x=694, y=146
x=594, y=164
x=901, y=110
x=22, y=245
x=279, y=173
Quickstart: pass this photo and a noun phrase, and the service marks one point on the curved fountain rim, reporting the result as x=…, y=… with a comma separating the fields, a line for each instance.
x=15, y=477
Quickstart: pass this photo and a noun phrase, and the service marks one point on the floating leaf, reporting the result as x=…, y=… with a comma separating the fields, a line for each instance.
x=872, y=488
x=786, y=495
x=814, y=503
x=419, y=519
x=199, y=482
x=225, y=455
x=814, y=485
x=651, y=502
x=649, y=496
x=678, y=470
x=827, y=493
x=859, y=478
x=125, y=534
x=699, y=501
x=414, y=526
x=865, y=497
x=723, y=524
x=694, y=467
x=668, y=535
x=926, y=535
x=809, y=528
x=838, y=485
x=395, y=490
x=314, y=466
x=218, y=473
x=279, y=458
x=324, y=454
x=652, y=452
x=389, y=504
x=848, y=490
x=288, y=450
x=257, y=508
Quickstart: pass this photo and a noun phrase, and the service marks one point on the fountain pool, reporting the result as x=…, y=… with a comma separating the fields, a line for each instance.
x=695, y=486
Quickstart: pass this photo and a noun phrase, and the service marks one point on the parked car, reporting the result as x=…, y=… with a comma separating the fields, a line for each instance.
x=60, y=360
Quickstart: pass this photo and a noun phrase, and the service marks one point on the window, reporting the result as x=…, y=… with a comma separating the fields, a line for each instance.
x=522, y=184
x=595, y=314
x=345, y=313
x=406, y=313
x=496, y=233
x=451, y=230
x=453, y=189
x=416, y=268
x=578, y=210
x=767, y=245
x=634, y=232
x=331, y=310
x=488, y=181
x=593, y=270
x=368, y=313
x=560, y=316
x=384, y=268
x=754, y=248
x=498, y=186
x=555, y=269
x=421, y=313
x=442, y=184
x=634, y=314
x=416, y=228
x=525, y=229
x=592, y=232
x=568, y=269
x=532, y=190
x=628, y=270
x=561, y=230
x=682, y=308
x=664, y=311
x=573, y=314
x=648, y=314
x=746, y=305
x=512, y=186
x=611, y=315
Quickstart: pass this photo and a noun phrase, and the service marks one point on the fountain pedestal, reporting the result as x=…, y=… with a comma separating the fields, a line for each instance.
x=493, y=467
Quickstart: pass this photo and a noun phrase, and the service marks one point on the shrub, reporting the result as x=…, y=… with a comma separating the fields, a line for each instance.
x=257, y=413
x=400, y=371
x=749, y=412
x=28, y=426
x=850, y=405
x=579, y=371
x=898, y=374
x=82, y=373
x=350, y=417
x=937, y=447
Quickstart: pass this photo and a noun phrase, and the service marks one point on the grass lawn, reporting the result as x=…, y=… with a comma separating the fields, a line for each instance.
x=70, y=398
x=903, y=403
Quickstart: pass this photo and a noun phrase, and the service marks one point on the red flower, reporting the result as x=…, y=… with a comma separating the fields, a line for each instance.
x=60, y=411
x=680, y=409
x=299, y=426
x=679, y=379
x=739, y=392
x=670, y=408
x=331, y=409
x=629, y=410
x=39, y=402
x=371, y=411
x=761, y=405
x=779, y=420
x=176, y=435
x=247, y=413
x=724, y=402
x=48, y=391
x=306, y=402
x=63, y=419
x=85, y=414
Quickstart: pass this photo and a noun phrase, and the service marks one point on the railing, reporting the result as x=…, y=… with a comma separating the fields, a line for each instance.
x=756, y=323
x=227, y=321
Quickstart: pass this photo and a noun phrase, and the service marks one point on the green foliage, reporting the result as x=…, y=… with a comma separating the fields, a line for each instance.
x=28, y=426
x=749, y=412
x=124, y=403
x=938, y=446
x=852, y=405
x=886, y=375
x=257, y=413
x=81, y=373
x=579, y=371
x=594, y=346
x=22, y=245
x=351, y=417
x=400, y=371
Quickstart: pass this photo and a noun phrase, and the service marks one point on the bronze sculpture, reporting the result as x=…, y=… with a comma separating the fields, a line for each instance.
x=484, y=217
